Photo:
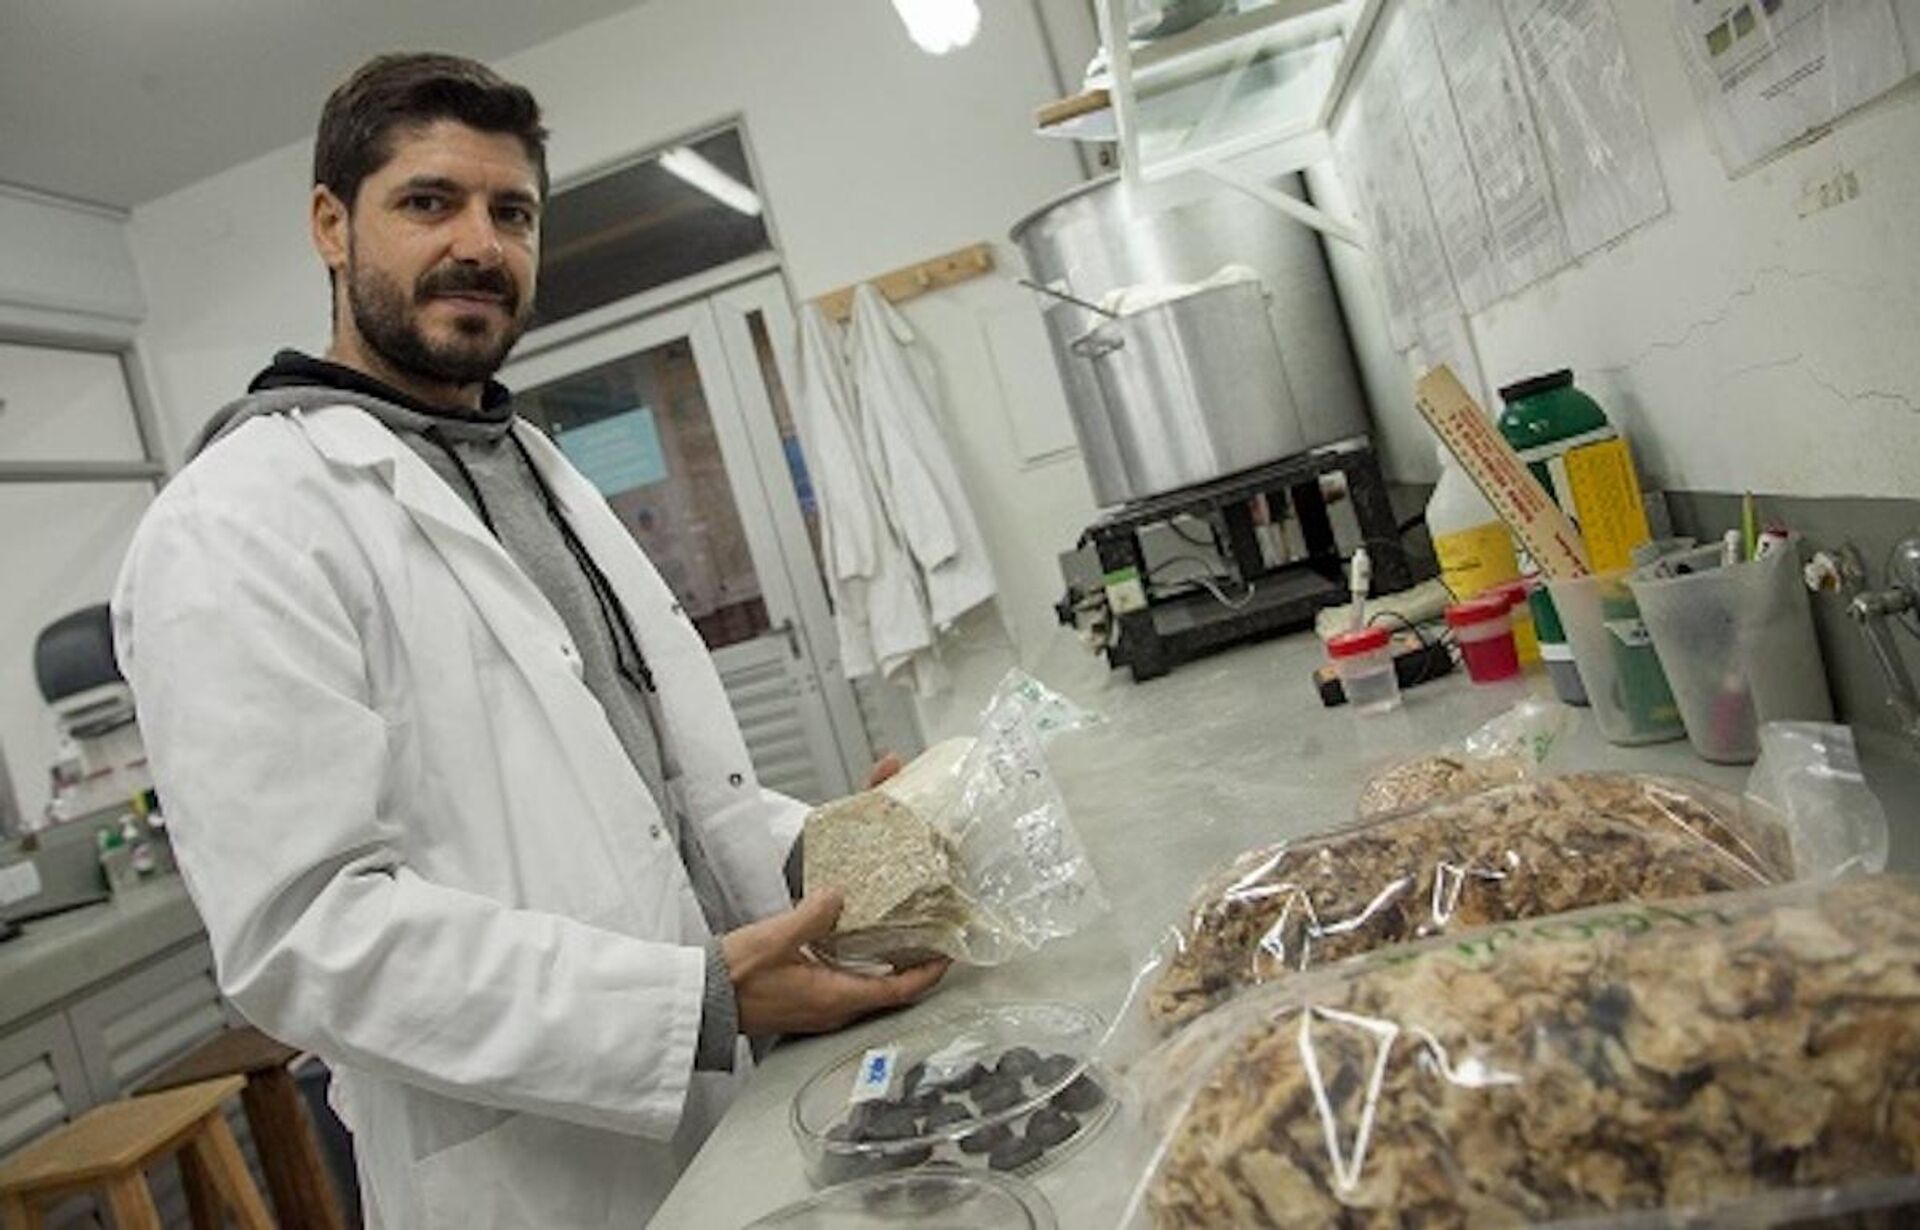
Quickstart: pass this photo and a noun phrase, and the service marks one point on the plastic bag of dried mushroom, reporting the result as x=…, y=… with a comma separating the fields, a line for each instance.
x=967, y=853
x=1744, y=1059
x=1519, y=851
x=1507, y=749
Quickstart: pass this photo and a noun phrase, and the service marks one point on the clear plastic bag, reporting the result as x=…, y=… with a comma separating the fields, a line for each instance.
x=1744, y=1059
x=1808, y=776
x=968, y=852
x=1507, y=749
x=1524, y=850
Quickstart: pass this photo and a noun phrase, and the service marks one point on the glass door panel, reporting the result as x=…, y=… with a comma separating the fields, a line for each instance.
x=640, y=428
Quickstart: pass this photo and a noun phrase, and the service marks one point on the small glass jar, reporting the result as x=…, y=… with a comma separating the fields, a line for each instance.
x=1483, y=628
x=1365, y=665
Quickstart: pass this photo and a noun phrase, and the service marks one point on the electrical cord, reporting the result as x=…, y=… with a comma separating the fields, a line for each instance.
x=1190, y=539
x=1426, y=643
x=1205, y=580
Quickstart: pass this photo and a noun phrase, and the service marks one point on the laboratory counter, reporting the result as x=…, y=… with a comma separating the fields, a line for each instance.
x=1186, y=772
x=55, y=958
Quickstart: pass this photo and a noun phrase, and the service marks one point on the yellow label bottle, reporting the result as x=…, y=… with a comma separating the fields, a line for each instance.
x=1473, y=544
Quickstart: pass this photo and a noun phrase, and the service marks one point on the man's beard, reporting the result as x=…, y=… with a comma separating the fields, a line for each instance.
x=385, y=316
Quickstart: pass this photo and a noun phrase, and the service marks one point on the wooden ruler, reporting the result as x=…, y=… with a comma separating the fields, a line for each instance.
x=1501, y=476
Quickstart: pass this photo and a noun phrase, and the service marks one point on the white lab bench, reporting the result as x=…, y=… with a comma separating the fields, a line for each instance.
x=1188, y=771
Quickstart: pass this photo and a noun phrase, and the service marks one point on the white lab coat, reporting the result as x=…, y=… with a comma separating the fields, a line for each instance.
x=418, y=848
x=880, y=607
x=894, y=390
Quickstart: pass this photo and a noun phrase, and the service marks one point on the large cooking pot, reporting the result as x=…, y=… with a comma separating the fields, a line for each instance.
x=1194, y=388
x=1106, y=235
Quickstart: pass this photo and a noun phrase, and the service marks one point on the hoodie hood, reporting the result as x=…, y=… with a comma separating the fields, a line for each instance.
x=295, y=381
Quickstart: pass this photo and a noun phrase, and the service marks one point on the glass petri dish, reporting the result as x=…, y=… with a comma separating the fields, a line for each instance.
x=1003, y=1088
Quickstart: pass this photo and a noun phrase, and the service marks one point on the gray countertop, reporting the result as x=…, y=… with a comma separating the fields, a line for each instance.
x=1188, y=771
x=59, y=956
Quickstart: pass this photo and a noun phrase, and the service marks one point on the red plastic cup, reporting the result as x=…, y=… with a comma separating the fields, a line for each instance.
x=1483, y=628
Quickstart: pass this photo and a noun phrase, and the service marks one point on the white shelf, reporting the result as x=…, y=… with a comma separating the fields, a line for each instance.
x=1268, y=75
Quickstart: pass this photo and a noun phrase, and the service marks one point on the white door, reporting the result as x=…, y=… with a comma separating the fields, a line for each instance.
x=674, y=417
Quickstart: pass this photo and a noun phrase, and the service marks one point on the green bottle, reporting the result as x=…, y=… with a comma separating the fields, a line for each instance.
x=1567, y=441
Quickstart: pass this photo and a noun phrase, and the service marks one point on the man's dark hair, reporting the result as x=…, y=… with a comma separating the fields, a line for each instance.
x=409, y=91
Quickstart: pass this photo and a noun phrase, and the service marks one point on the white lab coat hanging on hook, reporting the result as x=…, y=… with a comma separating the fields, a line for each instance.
x=894, y=388
x=880, y=613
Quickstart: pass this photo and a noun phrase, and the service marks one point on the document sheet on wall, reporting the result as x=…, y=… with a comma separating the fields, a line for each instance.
x=1489, y=143
x=1770, y=71
x=1592, y=127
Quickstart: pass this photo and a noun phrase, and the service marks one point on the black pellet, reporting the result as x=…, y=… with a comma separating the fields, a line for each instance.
x=1018, y=1063
x=1049, y=1127
x=943, y=1115
x=1054, y=1069
x=1083, y=1095
x=986, y=1139
x=997, y=1095
x=1014, y=1154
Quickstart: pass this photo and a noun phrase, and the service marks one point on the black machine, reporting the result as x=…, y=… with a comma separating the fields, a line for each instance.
x=1150, y=617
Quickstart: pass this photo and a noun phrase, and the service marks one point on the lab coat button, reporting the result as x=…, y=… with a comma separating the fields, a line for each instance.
x=654, y=832
x=734, y=779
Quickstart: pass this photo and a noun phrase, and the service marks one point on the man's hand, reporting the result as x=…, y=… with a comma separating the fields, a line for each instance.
x=782, y=990
x=885, y=767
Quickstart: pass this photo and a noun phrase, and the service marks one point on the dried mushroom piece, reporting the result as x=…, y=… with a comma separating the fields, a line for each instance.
x=1429, y=779
x=1758, y=1047
x=900, y=876
x=1518, y=851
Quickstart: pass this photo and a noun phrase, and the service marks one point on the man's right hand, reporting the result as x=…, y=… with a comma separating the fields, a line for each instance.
x=780, y=989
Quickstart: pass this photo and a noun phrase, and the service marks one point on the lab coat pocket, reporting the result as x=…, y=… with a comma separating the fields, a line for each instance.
x=460, y=1184
x=534, y=1171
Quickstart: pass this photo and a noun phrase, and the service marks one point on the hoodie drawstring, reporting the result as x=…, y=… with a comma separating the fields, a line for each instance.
x=459, y=463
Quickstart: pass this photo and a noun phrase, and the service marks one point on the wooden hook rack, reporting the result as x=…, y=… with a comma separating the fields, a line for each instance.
x=911, y=281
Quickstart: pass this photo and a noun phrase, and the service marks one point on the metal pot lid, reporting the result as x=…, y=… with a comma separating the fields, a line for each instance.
x=926, y=1199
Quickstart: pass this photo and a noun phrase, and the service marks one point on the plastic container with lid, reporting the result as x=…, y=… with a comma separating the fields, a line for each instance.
x=955, y=1199
x=1364, y=663
x=1483, y=628
x=1007, y=1088
x=1525, y=641
x=1567, y=441
x=1562, y=671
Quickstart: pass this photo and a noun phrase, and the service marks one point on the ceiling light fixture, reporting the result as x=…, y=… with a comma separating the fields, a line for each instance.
x=939, y=26
x=696, y=171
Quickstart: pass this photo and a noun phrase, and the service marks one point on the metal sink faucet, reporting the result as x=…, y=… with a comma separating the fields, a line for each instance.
x=1877, y=611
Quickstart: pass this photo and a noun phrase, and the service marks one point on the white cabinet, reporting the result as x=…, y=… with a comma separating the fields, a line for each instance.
x=147, y=1018
x=42, y=1085
x=41, y=1081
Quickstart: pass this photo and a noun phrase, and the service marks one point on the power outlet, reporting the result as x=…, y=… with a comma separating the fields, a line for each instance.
x=1837, y=189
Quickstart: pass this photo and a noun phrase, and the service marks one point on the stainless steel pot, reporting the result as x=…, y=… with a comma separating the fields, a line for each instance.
x=1194, y=388
x=1105, y=235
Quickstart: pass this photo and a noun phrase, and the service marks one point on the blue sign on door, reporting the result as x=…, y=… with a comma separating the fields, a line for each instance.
x=617, y=453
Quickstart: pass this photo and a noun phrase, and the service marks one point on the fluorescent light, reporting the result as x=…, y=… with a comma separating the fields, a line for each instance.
x=938, y=26
x=696, y=171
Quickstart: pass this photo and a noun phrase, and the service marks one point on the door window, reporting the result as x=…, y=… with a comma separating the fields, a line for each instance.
x=641, y=430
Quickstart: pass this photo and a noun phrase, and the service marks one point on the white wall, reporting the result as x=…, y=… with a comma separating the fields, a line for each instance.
x=870, y=155
x=1743, y=346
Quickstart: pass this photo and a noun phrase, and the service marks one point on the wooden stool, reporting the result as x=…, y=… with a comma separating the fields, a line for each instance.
x=297, y=1180
x=109, y=1148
